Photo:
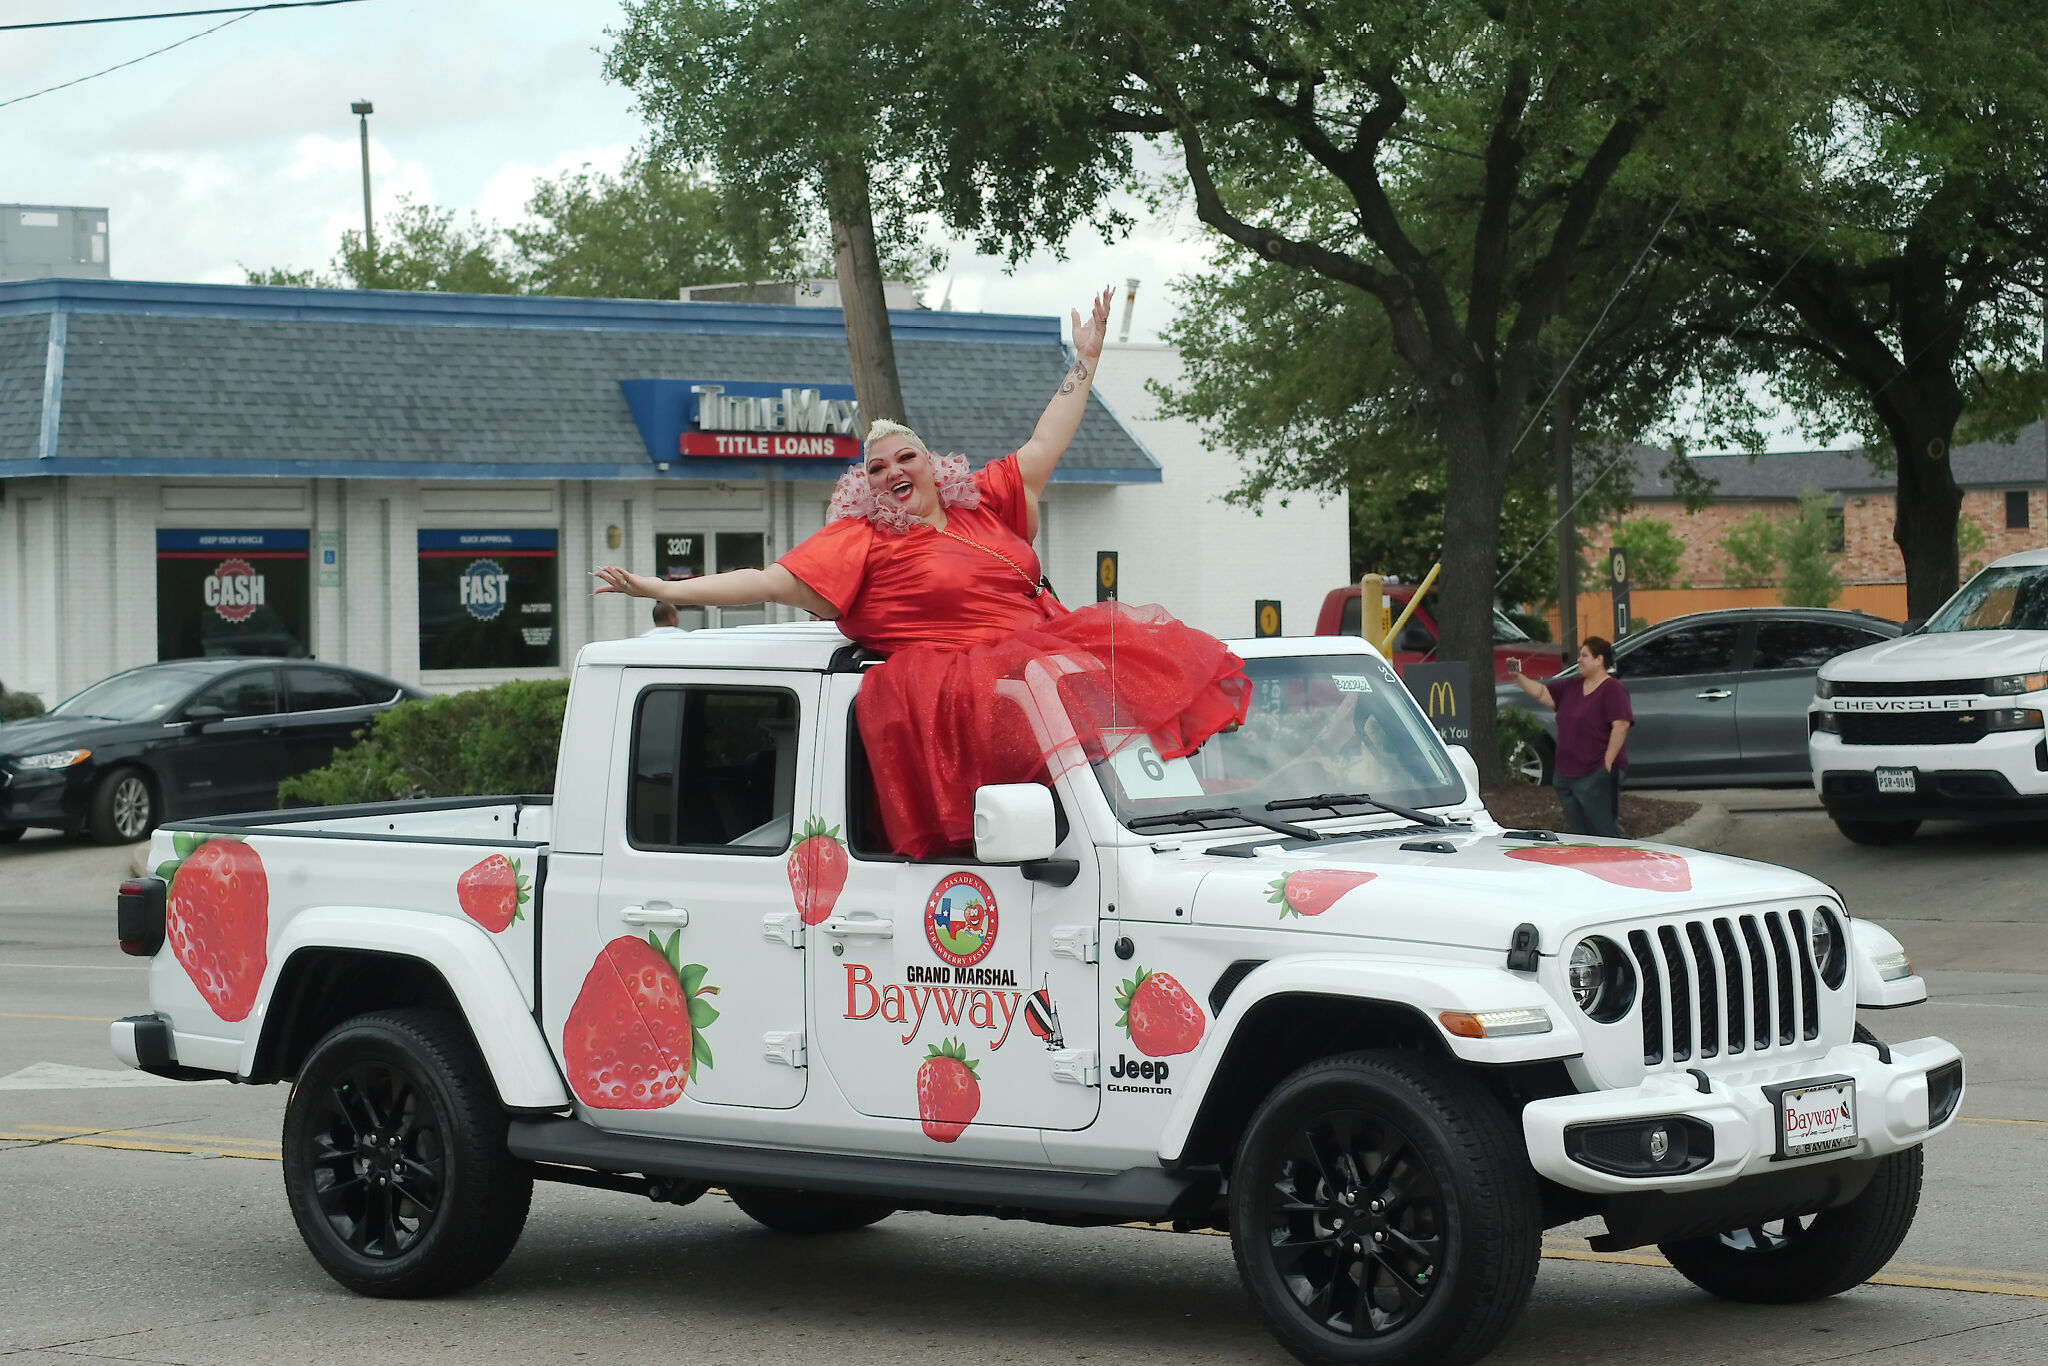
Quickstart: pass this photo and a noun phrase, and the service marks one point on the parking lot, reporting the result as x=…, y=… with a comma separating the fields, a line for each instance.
x=147, y=1221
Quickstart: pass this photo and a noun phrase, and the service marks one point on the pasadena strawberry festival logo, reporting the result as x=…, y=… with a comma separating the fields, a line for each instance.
x=960, y=920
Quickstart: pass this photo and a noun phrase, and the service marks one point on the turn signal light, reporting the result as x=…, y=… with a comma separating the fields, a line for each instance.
x=1494, y=1024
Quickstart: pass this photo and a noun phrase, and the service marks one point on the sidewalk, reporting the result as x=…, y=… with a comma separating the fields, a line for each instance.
x=1707, y=828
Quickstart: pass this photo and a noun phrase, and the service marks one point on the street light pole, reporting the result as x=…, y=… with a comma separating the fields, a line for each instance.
x=362, y=109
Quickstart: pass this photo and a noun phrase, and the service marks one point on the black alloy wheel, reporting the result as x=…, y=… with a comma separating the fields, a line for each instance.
x=1383, y=1212
x=395, y=1159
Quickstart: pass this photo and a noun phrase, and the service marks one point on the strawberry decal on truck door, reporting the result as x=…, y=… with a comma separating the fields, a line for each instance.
x=1313, y=890
x=492, y=892
x=948, y=1091
x=1651, y=870
x=218, y=919
x=635, y=1036
x=1159, y=1015
x=817, y=871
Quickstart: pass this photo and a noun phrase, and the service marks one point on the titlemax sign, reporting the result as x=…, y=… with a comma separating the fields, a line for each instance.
x=799, y=422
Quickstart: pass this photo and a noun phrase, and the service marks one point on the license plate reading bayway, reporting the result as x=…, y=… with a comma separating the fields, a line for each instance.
x=1897, y=780
x=1817, y=1118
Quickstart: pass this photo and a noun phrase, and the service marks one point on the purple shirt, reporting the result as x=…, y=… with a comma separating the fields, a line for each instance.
x=1584, y=721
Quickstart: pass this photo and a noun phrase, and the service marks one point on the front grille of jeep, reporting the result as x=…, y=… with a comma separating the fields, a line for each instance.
x=1720, y=986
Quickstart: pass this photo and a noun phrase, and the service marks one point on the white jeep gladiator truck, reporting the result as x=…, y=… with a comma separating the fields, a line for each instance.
x=1945, y=722
x=1298, y=986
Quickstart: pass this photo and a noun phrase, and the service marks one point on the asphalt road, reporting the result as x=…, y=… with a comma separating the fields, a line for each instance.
x=147, y=1222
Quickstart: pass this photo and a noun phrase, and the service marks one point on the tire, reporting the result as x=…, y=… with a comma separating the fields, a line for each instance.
x=1402, y=1151
x=1791, y=1261
x=417, y=1070
x=123, y=808
x=9, y=834
x=788, y=1211
x=1876, y=832
x=1534, y=760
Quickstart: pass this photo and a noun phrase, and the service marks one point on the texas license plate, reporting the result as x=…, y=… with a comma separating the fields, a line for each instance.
x=1898, y=780
x=1817, y=1117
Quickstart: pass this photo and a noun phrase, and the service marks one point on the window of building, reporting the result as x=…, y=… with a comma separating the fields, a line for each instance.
x=2016, y=510
x=713, y=768
x=1838, y=537
x=232, y=593
x=686, y=554
x=487, y=600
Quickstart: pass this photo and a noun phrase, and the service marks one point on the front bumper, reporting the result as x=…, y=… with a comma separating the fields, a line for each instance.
x=1891, y=1102
x=33, y=798
x=2000, y=777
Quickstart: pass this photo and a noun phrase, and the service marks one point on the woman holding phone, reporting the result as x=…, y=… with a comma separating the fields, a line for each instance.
x=1593, y=720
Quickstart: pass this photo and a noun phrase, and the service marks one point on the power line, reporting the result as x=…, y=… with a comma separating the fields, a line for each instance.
x=66, y=85
x=244, y=10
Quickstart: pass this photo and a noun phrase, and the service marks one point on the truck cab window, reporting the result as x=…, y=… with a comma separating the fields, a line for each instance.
x=713, y=768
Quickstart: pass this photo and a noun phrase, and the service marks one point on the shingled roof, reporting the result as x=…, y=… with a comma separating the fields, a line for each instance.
x=166, y=380
x=1738, y=478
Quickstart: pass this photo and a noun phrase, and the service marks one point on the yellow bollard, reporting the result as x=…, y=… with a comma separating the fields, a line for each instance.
x=1414, y=601
x=1372, y=605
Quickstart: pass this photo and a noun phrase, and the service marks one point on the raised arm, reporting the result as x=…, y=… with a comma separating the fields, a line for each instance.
x=1536, y=691
x=734, y=588
x=1062, y=417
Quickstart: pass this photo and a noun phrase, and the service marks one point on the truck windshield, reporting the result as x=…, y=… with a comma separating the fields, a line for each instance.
x=1317, y=725
x=2012, y=597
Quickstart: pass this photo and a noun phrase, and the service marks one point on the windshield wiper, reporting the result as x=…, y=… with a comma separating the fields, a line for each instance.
x=1221, y=813
x=1331, y=801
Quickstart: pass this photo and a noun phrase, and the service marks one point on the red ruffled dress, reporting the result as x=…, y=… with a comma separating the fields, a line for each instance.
x=958, y=611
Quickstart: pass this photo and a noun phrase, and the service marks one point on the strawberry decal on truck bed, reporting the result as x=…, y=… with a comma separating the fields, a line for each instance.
x=492, y=892
x=1651, y=870
x=218, y=919
x=1313, y=890
x=948, y=1091
x=817, y=870
x=635, y=1036
x=1159, y=1015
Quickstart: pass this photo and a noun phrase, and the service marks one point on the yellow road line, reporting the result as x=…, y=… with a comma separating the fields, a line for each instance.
x=2018, y=1123
x=1968, y=1279
x=82, y=1019
x=127, y=1145
x=151, y=1133
x=143, y=1141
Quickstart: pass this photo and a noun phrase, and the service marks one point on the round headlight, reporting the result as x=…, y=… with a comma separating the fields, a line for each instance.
x=1601, y=982
x=1588, y=973
x=1830, y=954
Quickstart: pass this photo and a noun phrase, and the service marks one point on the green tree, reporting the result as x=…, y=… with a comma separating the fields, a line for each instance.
x=1893, y=240
x=1751, y=551
x=1971, y=543
x=1806, y=547
x=1654, y=552
x=420, y=247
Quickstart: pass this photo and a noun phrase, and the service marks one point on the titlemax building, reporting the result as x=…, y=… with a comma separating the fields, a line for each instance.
x=420, y=484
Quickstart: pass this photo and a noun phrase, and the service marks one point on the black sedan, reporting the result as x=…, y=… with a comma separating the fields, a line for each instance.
x=188, y=737
x=1720, y=697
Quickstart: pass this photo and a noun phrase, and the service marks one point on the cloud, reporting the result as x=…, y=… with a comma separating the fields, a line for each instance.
x=505, y=193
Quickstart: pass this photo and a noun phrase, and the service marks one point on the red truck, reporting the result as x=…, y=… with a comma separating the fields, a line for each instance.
x=1417, y=641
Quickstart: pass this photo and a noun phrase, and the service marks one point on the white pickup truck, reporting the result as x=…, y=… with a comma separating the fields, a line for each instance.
x=1945, y=722
x=1298, y=986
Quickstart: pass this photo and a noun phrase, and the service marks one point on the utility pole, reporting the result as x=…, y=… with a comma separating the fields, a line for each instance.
x=1562, y=418
x=362, y=109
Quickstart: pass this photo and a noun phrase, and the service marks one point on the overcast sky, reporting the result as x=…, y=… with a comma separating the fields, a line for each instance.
x=238, y=149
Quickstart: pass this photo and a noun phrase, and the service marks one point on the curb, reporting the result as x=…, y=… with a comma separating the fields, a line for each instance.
x=1703, y=829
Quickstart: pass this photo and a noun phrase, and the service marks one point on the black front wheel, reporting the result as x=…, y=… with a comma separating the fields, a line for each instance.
x=1791, y=1261
x=123, y=808
x=395, y=1160
x=1382, y=1211
x=1876, y=832
x=791, y=1211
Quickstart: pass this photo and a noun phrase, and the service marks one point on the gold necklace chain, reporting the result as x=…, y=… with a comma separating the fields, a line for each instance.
x=1037, y=586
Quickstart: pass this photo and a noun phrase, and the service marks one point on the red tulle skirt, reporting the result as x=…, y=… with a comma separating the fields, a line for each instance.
x=936, y=725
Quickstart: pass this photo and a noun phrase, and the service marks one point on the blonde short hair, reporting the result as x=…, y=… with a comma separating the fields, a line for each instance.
x=882, y=427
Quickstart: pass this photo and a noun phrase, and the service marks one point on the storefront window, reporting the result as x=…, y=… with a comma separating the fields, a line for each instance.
x=680, y=555
x=487, y=600
x=742, y=550
x=232, y=593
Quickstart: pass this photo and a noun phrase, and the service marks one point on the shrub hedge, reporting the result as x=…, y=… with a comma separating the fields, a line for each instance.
x=488, y=742
x=18, y=706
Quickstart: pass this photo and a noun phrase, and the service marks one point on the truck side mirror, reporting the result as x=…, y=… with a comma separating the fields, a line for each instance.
x=1468, y=769
x=1013, y=823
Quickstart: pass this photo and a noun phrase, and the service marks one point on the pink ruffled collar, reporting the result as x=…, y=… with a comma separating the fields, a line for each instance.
x=855, y=497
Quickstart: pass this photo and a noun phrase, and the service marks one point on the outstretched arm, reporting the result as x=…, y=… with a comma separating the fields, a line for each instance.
x=1537, y=691
x=1062, y=416
x=734, y=588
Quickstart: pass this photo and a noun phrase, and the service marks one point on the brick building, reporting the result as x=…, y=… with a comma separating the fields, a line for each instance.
x=2005, y=494
x=420, y=484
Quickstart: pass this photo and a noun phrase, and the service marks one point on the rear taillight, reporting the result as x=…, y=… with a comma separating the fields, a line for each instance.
x=139, y=915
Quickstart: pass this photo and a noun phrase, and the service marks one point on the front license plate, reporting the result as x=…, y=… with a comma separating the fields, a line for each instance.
x=1905, y=780
x=1816, y=1117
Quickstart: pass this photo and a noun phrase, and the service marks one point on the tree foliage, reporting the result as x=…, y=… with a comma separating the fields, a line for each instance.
x=645, y=233
x=1654, y=552
x=485, y=742
x=1796, y=553
x=1750, y=551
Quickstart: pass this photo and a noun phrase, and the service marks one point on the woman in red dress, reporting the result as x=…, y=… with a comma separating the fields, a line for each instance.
x=932, y=566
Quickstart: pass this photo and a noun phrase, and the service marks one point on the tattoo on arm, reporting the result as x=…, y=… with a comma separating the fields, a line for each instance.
x=1076, y=376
